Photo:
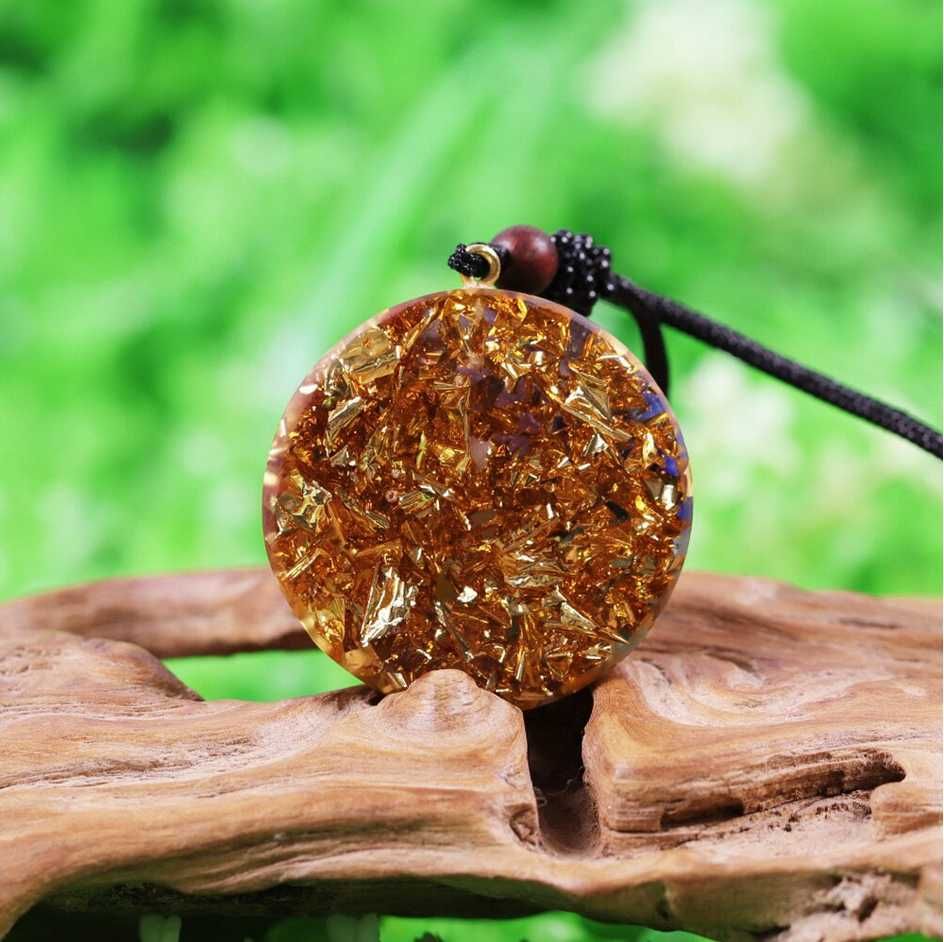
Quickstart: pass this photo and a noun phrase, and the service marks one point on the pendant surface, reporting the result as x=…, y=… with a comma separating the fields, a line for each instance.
x=482, y=480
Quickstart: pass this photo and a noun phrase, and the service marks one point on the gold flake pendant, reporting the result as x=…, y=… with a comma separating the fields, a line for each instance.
x=482, y=480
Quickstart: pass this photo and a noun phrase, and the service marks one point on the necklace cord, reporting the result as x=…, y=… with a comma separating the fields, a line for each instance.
x=584, y=276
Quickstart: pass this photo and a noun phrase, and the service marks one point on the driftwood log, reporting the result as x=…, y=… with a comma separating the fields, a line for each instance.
x=767, y=765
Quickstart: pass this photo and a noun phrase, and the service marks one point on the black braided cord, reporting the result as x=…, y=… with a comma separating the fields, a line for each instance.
x=584, y=276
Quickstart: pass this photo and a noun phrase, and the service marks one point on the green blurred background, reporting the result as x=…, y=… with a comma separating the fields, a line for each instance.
x=198, y=197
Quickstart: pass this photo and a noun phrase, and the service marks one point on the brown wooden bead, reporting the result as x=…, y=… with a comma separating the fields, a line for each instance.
x=532, y=259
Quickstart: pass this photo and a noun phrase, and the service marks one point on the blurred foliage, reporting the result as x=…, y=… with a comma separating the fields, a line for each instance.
x=198, y=197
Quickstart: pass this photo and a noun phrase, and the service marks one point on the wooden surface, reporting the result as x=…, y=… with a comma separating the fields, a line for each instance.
x=766, y=765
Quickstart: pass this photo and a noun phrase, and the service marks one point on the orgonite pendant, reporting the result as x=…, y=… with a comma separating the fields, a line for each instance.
x=481, y=480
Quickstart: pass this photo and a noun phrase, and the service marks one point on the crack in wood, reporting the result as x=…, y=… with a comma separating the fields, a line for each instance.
x=566, y=811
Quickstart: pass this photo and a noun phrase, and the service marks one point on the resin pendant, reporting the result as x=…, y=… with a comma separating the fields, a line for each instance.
x=481, y=480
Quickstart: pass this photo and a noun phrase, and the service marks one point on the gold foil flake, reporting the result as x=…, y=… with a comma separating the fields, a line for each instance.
x=591, y=394
x=341, y=457
x=371, y=519
x=421, y=451
x=336, y=527
x=305, y=508
x=521, y=661
x=453, y=394
x=527, y=475
x=388, y=605
x=590, y=404
x=649, y=450
x=341, y=417
x=336, y=386
x=599, y=652
x=397, y=680
x=570, y=616
x=412, y=535
x=457, y=458
x=389, y=550
x=369, y=356
x=595, y=444
x=471, y=481
x=620, y=359
x=523, y=570
x=558, y=663
x=376, y=449
x=330, y=621
x=432, y=486
x=299, y=567
x=282, y=517
x=413, y=334
x=621, y=617
x=462, y=643
x=417, y=502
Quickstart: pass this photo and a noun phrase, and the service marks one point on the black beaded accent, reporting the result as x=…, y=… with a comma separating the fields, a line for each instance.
x=468, y=263
x=471, y=264
x=583, y=272
x=585, y=276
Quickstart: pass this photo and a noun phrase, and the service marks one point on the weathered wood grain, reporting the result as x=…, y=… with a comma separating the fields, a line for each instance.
x=767, y=765
x=220, y=612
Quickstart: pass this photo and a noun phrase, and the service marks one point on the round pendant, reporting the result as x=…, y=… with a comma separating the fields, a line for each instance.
x=482, y=480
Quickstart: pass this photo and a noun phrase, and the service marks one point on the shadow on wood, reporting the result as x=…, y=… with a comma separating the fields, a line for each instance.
x=767, y=764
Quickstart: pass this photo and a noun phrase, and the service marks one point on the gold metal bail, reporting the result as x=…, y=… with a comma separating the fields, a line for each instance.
x=489, y=279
